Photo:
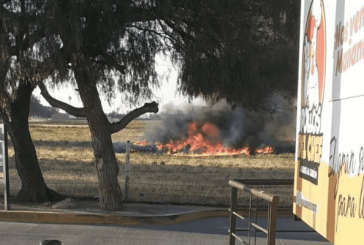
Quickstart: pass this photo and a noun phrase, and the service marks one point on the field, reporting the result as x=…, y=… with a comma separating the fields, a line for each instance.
x=66, y=159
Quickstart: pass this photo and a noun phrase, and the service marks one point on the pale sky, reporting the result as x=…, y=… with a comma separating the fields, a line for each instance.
x=167, y=94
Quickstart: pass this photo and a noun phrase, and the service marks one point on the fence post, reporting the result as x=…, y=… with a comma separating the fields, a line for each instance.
x=233, y=206
x=127, y=170
x=272, y=221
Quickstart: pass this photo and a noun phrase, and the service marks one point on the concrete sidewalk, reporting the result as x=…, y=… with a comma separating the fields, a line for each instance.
x=87, y=212
x=135, y=224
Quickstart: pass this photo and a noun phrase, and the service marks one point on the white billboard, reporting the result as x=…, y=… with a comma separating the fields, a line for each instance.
x=329, y=170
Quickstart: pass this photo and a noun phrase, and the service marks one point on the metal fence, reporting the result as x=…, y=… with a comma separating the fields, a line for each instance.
x=159, y=183
x=271, y=199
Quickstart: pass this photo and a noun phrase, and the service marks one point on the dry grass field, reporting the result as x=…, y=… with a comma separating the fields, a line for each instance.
x=66, y=159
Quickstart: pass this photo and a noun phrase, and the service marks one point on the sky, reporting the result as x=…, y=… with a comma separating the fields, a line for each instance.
x=166, y=95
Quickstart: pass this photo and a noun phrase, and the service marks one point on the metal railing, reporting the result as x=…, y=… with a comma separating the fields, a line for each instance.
x=245, y=185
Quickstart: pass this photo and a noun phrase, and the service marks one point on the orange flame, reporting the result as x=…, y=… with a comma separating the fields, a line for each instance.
x=141, y=143
x=265, y=150
x=204, y=141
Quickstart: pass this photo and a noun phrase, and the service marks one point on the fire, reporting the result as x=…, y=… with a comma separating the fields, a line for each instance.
x=141, y=143
x=205, y=141
x=265, y=150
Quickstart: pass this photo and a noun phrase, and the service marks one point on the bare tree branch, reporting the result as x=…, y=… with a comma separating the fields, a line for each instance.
x=147, y=107
x=77, y=112
x=164, y=34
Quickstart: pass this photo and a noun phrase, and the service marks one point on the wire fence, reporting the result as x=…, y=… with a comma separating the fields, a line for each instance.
x=67, y=166
x=198, y=187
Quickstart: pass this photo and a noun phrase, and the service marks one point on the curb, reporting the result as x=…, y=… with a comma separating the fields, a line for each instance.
x=117, y=219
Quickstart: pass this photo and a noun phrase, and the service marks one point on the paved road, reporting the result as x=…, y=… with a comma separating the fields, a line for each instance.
x=209, y=231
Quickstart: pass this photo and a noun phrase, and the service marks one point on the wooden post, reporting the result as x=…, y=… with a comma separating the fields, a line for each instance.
x=127, y=170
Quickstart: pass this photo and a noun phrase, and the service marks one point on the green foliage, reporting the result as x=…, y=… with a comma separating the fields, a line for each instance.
x=23, y=55
x=242, y=51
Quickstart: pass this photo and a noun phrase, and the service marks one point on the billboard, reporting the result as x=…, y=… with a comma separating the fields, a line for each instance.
x=329, y=161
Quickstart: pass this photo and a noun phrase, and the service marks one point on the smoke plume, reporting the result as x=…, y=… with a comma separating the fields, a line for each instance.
x=235, y=127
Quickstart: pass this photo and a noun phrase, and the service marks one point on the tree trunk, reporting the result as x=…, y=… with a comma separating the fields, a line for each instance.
x=110, y=196
x=33, y=185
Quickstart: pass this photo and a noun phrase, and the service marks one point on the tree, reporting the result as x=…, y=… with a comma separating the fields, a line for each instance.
x=110, y=196
x=39, y=110
x=19, y=73
x=218, y=45
x=244, y=55
x=92, y=50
